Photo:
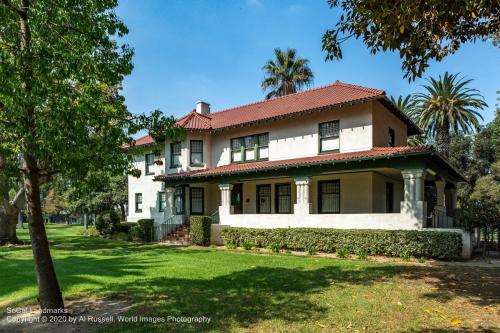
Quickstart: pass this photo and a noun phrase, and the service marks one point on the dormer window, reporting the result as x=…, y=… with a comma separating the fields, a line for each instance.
x=250, y=148
x=329, y=141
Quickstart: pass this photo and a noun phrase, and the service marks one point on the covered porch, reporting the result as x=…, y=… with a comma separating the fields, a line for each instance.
x=384, y=188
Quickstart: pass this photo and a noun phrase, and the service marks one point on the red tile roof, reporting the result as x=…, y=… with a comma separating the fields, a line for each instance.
x=374, y=153
x=335, y=94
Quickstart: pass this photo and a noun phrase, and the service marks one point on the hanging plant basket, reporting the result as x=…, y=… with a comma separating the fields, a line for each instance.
x=135, y=173
x=159, y=162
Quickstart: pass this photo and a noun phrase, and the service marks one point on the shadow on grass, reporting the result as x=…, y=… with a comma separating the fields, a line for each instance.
x=480, y=286
x=243, y=298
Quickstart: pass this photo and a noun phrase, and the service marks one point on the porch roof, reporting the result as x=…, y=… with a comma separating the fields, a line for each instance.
x=328, y=160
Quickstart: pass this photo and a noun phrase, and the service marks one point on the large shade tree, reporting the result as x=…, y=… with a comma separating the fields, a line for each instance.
x=61, y=111
x=286, y=74
x=449, y=105
x=420, y=31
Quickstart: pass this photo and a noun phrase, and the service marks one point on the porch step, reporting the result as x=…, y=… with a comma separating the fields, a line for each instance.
x=179, y=237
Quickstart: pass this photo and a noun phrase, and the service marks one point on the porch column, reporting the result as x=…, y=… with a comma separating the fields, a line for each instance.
x=169, y=202
x=413, y=205
x=303, y=206
x=225, y=196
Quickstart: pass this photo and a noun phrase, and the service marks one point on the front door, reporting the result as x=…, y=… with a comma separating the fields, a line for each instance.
x=237, y=198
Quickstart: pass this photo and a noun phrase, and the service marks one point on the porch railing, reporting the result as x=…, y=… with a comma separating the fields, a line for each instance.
x=215, y=217
x=170, y=225
x=440, y=219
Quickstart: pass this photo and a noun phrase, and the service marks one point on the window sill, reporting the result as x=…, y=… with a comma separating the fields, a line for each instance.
x=243, y=162
x=334, y=151
x=149, y=174
x=197, y=165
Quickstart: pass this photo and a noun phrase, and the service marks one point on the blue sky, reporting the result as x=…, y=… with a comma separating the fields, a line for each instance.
x=187, y=51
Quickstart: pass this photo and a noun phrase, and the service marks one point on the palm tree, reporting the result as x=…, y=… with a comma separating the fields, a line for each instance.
x=287, y=74
x=448, y=105
x=409, y=106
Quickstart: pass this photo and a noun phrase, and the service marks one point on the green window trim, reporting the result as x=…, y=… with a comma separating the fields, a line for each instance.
x=329, y=188
x=258, y=143
x=179, y=200
x=138, y=202
x=264, y=192
x=328, y=130
x=175, y=151
x=283, y=195
x=196, y=147
x=197, y=193
x=149, y=160
x=162, y=201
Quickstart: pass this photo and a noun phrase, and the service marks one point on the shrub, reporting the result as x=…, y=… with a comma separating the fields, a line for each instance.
x=137, y=233
x=91, y=231
x=246, y=245
x=200, y=230
x=311, y=250
x=146, y=226
x=362, y=254
x=274, y=248
x=231, y=246
x=107, y=222
x=123, y=236
x=126, y=227
x=342, y=252
x=398, y=243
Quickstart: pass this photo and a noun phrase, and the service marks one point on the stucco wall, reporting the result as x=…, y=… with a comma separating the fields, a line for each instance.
x=149, y=189
x=382, y=120
x=298, y=137
x=356, y=192
x=379, y=190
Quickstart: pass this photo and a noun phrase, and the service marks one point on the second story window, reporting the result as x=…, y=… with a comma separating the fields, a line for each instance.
x=138, y=202
x=150, y=162
x=391, y=138
x=196, y=152
x=175, y=155
x=250, y=148
x=329, y=141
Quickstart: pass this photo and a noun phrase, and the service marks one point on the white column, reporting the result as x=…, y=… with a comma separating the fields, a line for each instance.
x=169, y=202
x=303, y=206
x=225, y=197
x=413, y=205
x=440, y=185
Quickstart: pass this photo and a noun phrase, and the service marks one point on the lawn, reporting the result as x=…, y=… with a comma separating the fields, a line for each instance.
x=247, y=291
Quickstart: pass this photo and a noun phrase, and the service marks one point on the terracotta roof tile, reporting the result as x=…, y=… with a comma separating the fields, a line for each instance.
x=333, y=94
x=376, y=152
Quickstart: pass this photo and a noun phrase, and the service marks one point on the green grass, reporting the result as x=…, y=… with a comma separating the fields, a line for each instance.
x=249, y=291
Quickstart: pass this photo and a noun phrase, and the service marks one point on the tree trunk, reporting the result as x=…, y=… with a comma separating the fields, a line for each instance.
x=85, y=221
x=20, y=224
x=49, y=293
x=443, y=139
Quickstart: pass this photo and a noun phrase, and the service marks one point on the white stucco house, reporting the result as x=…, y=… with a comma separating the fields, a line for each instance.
x=334, y=156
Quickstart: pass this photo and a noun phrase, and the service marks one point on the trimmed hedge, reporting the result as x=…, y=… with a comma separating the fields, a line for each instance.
x=145, y=230
x=398, y=243
x=200, y=230
x=107, y=222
